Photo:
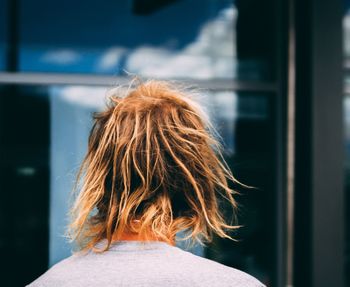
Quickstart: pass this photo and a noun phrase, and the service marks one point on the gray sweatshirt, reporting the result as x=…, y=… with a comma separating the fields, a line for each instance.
x=134, y=263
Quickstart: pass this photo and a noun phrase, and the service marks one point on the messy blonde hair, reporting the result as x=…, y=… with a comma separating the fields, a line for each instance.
x=152, y=159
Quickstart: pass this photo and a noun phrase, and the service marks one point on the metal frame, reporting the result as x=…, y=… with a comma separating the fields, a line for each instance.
x=282, y=135
x=290, y=146
x=106, y=80
x=319, y=191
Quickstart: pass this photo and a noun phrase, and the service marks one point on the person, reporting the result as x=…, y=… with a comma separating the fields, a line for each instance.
x=154, y=168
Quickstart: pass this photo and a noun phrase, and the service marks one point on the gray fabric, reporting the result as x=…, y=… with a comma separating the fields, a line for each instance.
x=133, y=263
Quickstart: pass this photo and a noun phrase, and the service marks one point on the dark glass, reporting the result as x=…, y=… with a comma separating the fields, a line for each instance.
x=252, y=160
x=164, y=38
x=3, y=33
x=24, y=184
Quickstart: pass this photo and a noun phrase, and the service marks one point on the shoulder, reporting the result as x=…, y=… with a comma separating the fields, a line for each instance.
x=234, y=277
x=217, y=274
x=58, y=272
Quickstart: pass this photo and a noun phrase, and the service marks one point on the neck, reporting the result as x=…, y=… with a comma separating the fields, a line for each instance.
x=131, y=236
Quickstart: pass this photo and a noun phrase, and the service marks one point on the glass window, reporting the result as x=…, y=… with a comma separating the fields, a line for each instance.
x=246, y=122
x=197, y=39
x=3, y=33
x=24, y=182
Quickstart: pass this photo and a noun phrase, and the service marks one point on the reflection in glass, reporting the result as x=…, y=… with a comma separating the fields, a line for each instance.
x=70, y=120
x=165, y=41
x=252, y=162
x=170, y=39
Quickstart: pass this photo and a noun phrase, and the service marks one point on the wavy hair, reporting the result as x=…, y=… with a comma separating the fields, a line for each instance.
x=153, y=165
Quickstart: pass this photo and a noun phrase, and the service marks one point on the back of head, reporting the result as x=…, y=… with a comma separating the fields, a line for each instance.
x=153, y=165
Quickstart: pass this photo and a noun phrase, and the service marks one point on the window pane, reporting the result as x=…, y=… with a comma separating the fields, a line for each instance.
x=24, y=182
x=3, y=33
x=168, y=38
x=246, y=122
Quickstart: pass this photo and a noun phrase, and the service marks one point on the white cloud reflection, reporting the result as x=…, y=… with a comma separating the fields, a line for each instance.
x=61, y=57
x=84, y=96
x=212, y=54
x=110, y=58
